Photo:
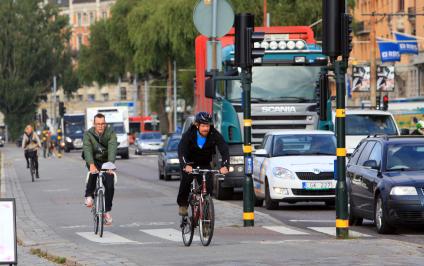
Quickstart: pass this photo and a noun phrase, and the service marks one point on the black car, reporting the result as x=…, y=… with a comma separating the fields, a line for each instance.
x=168, y=162
x=385, y=178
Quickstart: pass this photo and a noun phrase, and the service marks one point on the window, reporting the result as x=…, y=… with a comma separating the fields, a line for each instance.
x=401, y=5
x=105, y=97
x=84, y=18
x=80, y=97
x=79, y=21
x=299, y=144
x=123, y=93
x=138, y=92
x=376, y=154
x=405, y=157
x=365, y=154
x=264, y=142
x=369, y=124
x=355, y=155
x=91, y=97
x=92, y=18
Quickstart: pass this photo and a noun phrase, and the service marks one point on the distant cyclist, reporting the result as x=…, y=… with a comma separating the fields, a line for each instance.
x=30, y=143
x=100, y=146
x=420, y=128
x=196, y=148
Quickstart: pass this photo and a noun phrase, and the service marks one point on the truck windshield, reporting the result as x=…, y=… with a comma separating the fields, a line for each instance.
x=74, y=128
x=364, y=125
x=288, y=145
x=117, y=127
x=279, y=83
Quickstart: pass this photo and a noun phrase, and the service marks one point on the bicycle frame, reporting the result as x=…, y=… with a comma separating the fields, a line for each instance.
x=99, y=188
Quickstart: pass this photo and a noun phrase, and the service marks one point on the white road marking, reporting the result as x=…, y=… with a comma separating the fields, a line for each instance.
x=75, y=226
x=313, y=221
x=56, y=190
x=170, y=234
x=139, y=224
x=332, y=231
x=285, y=230
x=108, y=238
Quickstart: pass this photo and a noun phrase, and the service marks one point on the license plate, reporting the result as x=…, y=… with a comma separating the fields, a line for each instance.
x=317, y=185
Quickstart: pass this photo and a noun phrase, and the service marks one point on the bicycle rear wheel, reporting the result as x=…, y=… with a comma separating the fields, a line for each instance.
x=207, y=221
x=187, y=227
x=101, y=202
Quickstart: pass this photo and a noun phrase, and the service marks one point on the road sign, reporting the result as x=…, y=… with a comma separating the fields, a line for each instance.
x=210, y=12
x=8, y=247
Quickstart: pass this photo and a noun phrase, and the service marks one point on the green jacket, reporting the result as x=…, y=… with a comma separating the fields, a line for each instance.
x=100, y=148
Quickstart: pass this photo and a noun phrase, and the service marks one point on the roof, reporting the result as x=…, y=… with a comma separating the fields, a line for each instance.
x=398, y=139
x=300, y=132
x=366, y=112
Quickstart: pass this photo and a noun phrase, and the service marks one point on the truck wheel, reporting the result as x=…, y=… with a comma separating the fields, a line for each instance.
x=270, y=204
x=223, y=193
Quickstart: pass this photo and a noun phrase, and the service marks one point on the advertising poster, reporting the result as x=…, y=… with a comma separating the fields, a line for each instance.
x=385, y=78
x=360, y=78
x=7, y=232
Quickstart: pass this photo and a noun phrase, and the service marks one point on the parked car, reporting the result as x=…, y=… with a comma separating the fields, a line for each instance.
x=385, y=178
x=148, y=142
x=362, y=123
x=168, y=162
x=294, y=166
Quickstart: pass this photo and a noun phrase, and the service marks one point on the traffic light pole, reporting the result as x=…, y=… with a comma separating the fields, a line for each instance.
x=248, y=207
x=342, y=216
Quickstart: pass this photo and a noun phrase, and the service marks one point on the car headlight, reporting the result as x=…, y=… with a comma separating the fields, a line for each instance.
x=236, y=159
x=68, y=139
x=284, y=173
x=404, y=191
x=173, y=161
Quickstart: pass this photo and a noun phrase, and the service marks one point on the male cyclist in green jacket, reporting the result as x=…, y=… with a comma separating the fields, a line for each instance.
x=99, y=146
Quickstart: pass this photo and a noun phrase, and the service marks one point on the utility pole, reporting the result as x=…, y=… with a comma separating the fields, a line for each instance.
x=175, y=96
x=265, y=14
x=373, y=67
x=146, y=97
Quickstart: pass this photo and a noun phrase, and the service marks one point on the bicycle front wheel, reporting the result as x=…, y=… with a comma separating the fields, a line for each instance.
x=207, y=221
x=101, y=211
x=95, y=216
x=187, y=226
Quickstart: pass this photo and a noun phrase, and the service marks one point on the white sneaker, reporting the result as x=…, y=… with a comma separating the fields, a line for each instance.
x=88, y=202
x=108, y=218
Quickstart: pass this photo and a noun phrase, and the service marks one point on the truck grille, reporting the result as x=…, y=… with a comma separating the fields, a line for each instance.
x=304, y=192
x=313, y=176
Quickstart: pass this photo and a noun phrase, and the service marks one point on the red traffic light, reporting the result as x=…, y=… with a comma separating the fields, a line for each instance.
x=385, y=99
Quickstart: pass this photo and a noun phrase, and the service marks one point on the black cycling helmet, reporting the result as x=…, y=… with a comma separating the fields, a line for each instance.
x=203, y=118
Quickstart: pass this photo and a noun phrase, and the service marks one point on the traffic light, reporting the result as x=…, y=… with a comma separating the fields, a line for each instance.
x=245, y=49
x=322, y=95
x=378, y=102
x=62, y=109
x=385, y=102
x=44, y=116
x=347, y=35
x=333, y=14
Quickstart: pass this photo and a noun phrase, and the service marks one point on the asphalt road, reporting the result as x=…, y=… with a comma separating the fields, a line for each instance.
x=146, y=225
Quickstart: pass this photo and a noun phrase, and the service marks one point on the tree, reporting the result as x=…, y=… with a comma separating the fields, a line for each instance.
x=32, y=50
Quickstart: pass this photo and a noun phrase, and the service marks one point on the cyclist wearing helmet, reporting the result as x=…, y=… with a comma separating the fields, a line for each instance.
x=420, y=128
x=196, y=148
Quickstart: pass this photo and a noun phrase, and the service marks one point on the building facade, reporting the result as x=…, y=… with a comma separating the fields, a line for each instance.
x=404, y=16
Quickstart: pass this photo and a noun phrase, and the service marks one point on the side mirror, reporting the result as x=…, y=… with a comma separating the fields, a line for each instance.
x=404, y=131
x=372, y=164
x=261, y=153
x=210, y=88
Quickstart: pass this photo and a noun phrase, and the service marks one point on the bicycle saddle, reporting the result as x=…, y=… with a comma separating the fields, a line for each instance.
x=108, y=166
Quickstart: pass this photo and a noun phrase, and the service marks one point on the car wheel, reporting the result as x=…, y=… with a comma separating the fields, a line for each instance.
x=353, y=219
x=383, y=227
x=270, y=204
x=222, y=193
x=125, y=156
x=258, y=202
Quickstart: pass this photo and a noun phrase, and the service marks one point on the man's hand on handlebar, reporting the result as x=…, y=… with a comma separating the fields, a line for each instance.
x=188, y=169
x=223, y=170
x=93, y=169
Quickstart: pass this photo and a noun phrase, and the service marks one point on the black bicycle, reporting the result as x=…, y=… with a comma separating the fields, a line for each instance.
x=200, y=211
x=98, y=209
x=31, y=159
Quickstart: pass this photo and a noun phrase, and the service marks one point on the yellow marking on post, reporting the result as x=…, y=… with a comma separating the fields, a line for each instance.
x=248, y=216
x=247, y=122
x=247, y=148
x=207, y=2
x=340, y=113
x=341, y=152
x=342, y=223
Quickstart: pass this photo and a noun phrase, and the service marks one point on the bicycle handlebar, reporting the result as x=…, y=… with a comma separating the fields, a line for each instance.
x=197, y=171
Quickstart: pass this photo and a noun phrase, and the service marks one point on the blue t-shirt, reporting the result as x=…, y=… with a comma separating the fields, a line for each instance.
x=200, y=140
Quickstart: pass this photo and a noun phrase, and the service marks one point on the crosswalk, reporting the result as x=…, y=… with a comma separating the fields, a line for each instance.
x=170, y=235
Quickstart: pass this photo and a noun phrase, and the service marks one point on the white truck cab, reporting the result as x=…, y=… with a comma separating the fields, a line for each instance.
x=116, y=117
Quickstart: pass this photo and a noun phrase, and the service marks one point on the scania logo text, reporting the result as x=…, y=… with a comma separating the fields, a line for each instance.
x=278, y=109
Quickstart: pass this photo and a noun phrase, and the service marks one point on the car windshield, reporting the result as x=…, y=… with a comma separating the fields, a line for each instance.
x=74, y=128
x=151, y=126
x=279, y=83
x=364, y=125
x=173, y=145
x=146, y=136
x=117, y=127
x=304, y=145
x=405, y=157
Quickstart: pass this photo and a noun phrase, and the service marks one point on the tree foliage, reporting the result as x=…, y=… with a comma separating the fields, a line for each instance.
x=32, y=50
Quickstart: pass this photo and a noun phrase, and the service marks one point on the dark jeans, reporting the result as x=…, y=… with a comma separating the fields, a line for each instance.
x=32, y=154
x=185, y=186
x=108, y=183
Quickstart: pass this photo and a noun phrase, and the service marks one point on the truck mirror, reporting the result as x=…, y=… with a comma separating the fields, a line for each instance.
x=210, y=88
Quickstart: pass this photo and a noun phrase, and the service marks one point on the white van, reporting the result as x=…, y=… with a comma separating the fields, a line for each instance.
x=361, y=123
x=116, y=117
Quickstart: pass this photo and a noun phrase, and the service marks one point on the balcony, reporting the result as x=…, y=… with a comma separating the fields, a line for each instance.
x=359, y=28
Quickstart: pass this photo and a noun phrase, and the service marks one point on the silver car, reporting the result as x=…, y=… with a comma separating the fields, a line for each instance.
x=148, y=142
